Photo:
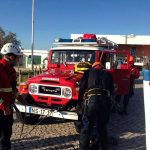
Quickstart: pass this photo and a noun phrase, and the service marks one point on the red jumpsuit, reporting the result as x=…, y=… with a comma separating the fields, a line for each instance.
x=134, y=74
x=7, y=97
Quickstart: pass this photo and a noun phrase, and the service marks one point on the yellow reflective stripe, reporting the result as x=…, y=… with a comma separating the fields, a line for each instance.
x=5, y=89
x=82, y=68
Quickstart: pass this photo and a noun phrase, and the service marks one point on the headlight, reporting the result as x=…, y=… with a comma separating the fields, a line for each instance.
x=66, y=92
x=33, y=88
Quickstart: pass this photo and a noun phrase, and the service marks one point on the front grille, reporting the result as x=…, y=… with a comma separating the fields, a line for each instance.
x=50, y=90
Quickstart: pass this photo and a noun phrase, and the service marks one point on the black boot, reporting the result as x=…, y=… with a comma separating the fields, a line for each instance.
x=112, y=140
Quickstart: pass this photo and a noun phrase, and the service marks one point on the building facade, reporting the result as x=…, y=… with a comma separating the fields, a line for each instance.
x=39, y=58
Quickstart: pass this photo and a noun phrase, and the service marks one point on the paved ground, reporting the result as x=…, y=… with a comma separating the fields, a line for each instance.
x=54, y=134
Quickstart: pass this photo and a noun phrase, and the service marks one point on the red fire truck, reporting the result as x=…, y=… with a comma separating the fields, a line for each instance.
x=55, y=92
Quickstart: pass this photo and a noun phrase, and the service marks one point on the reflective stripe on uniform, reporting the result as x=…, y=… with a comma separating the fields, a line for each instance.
x=1, y=101
x=96, y=91
x=6, y=90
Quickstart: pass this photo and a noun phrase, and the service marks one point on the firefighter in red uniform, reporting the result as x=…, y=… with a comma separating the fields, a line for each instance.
x=96, y=87
x=8, y=92
x=134, y=74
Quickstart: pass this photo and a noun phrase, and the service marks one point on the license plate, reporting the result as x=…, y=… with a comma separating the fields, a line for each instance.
x=39, y=111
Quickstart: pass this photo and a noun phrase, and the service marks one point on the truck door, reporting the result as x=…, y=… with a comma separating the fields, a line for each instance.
x=112, y=61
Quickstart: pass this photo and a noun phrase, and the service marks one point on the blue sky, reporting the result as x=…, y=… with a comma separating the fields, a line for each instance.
x=60, y=18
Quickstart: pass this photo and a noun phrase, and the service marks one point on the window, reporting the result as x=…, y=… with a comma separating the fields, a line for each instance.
x=36, y=59
x=115, y=59
x=73, y=56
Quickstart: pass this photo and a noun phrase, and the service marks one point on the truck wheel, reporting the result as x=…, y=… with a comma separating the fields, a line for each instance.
x=27, y=118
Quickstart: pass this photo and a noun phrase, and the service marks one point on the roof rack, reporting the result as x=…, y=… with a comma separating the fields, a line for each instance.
x=80, y=41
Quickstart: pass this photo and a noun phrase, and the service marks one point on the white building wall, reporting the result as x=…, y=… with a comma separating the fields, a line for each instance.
x=27, y=53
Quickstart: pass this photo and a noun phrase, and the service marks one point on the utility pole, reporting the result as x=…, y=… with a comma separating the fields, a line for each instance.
x=32, y=42
x=126, y=38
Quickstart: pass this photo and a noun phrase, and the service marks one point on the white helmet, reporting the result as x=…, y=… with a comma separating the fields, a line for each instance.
x=11, y=48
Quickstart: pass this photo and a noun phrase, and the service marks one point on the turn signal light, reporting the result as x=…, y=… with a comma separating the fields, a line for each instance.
x=23, y=85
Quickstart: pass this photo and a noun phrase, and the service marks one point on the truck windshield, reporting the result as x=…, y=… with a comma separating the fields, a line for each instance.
x=72, y=56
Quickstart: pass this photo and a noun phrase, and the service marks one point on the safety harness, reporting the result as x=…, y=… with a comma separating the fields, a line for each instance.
x=87, y=95
x=96, y=91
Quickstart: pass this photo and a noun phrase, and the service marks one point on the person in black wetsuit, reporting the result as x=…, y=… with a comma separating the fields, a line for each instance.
x=95, y=90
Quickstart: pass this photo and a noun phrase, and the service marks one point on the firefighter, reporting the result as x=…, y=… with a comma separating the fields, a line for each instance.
x=134, y=74
x=8, y=92
x=95, y=90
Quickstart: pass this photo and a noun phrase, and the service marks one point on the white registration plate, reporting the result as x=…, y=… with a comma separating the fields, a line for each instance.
x=40, y=111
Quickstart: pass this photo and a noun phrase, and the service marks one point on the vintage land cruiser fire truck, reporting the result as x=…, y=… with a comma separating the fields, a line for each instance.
x=55, y=92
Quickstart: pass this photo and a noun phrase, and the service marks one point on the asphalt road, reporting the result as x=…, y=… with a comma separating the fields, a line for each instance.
x=58, y=134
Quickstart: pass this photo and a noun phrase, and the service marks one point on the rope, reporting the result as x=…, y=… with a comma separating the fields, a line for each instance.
x=39, y=123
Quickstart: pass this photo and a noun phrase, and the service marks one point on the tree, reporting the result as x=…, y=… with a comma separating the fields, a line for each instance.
x=2, y=35
x=10, y=37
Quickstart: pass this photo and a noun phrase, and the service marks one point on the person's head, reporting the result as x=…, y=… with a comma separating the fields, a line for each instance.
x=11, y=53
x=131, y=60
x=98, y=65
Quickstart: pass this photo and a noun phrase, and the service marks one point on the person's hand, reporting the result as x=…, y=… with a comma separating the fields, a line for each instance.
x=78, y=108
x=7, y=110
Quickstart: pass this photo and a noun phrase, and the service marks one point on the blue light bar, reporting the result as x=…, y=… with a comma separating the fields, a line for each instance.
x=63, y=40
x=89, y=40
x=74, y=40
